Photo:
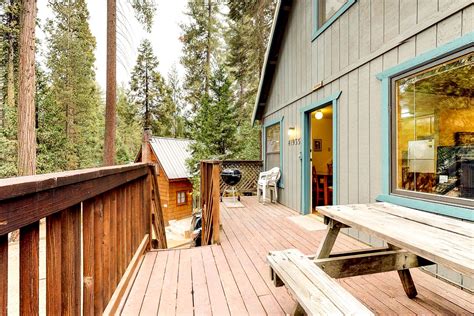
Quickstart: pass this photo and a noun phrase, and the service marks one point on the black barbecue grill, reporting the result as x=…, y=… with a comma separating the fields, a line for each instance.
x=231, y=178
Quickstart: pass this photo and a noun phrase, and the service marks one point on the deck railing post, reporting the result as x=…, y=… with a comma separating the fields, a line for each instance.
x=216, y=204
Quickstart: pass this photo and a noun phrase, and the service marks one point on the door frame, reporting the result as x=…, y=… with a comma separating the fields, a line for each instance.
x=306, y=146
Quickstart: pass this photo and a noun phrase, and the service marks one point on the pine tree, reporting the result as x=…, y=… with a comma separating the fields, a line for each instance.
x=247, y=37
x=9, y=33
x=179, y=121
x=129, y=129
x=214, y=126
x=201, y=48
x=149, y=92
x=70, y=59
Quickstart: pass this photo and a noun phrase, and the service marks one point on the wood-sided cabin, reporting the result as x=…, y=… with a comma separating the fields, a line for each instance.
x=376, y=95
x=176, y=189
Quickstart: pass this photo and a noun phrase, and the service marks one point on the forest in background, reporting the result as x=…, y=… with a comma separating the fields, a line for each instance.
x=224, y=47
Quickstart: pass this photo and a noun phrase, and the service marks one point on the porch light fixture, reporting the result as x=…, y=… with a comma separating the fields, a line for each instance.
x=318, y=115
x=291, y=132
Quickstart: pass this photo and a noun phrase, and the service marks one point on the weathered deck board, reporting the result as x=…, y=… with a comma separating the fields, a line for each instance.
x=233, y=277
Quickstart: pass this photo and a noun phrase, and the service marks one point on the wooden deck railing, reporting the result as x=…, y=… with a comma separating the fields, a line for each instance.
x=99, y=219
x=210, y=201
x=250, y=170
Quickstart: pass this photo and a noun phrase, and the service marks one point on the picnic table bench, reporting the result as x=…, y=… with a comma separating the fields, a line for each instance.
x=414, y=239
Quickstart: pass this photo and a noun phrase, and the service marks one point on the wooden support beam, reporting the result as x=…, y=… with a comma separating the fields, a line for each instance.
x=329, y=239
x=353, y=252
x=361, y=264
x=407, y=282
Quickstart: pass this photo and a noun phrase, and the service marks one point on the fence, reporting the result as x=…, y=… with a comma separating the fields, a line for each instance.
x=100, y=218
x=250, y=170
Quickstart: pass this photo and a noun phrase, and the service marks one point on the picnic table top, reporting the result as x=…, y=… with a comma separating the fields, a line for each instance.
x=440, y=239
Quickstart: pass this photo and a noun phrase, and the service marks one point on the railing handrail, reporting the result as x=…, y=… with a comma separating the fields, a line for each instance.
x=18, y=186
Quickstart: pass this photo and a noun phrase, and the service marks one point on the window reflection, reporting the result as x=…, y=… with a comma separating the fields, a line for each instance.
x=435, y=130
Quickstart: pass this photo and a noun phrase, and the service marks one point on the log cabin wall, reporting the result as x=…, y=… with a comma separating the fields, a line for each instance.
x=368, y=38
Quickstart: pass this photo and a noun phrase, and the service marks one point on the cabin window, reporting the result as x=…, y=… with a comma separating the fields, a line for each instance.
x=327, y=9
x=326, y=12
x=181, y=197
x=272, y=142
x=433, y=131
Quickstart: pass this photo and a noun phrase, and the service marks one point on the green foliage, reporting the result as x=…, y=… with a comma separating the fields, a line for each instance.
x=214, y=126
x=151, y=95
x=201, y=50
x=129, y=129
x=144, y=12
x=8, y=145
x=73, y=95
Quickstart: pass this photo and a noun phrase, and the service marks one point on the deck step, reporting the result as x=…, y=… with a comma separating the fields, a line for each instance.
x=316, y=292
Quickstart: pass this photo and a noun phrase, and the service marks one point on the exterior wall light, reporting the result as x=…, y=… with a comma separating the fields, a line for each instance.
x=291, y=132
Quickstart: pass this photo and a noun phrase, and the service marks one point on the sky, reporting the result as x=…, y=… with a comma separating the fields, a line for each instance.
x=164, y=35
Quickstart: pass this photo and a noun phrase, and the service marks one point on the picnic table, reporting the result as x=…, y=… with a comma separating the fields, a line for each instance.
x=414, y=239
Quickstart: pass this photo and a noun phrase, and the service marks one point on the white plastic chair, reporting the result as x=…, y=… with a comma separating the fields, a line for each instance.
x=268, y=180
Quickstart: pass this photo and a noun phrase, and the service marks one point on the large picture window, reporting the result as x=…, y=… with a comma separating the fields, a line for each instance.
x=433, y=131
x=272, y=145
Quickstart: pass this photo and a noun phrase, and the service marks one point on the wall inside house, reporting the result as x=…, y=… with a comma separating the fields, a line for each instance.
x=321, y=130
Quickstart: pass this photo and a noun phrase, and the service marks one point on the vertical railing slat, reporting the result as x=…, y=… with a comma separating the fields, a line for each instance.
x=53, y=264
x=129, y=223
x=98, y=255
x=113, y=240
x=106, y=245
x=4, y=274
x=29, y=271
x=70, y=260
x=88, y=256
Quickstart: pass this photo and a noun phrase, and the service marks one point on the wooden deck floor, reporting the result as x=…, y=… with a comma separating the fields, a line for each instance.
x=233, y=278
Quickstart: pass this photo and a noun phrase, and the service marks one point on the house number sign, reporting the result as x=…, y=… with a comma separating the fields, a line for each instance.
x=294, y=142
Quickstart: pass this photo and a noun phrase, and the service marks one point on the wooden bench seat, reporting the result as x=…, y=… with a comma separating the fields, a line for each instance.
x=316, y=292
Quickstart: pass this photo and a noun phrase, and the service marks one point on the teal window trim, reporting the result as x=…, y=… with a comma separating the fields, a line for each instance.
x=267, y=124
x=305, y=148
x=318, y=30
x=385, y=77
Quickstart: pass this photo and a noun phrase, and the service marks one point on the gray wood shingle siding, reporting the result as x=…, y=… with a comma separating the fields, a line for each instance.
x=371, y=36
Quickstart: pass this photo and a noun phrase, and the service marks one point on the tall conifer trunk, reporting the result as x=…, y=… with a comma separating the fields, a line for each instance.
x=111, y=89
x=26, y=91
x=29, y=235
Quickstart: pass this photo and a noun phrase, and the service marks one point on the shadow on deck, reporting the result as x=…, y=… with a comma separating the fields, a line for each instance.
x=233, y=277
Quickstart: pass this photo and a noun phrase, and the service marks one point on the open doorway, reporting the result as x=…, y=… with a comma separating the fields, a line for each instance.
x=321, y=156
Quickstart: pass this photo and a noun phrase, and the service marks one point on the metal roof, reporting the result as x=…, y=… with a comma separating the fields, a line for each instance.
x=172, y=154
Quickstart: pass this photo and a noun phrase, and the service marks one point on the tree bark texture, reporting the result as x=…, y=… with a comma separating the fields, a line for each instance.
x=111, y=85
x=26, y=91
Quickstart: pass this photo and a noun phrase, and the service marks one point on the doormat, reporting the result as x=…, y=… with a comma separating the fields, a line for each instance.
x=232, y=203
x=308, y=222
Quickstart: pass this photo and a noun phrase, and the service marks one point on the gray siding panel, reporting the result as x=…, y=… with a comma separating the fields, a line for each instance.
x=368, y=25
x=366, y=28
